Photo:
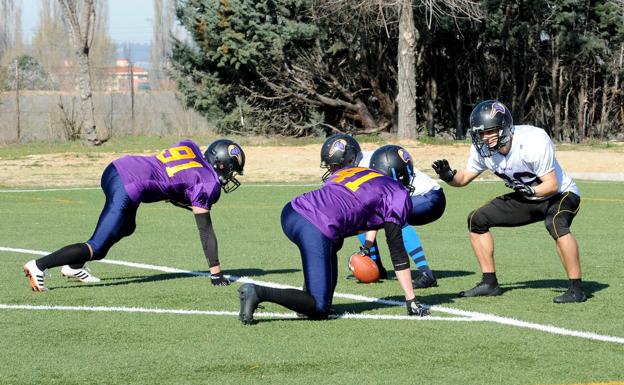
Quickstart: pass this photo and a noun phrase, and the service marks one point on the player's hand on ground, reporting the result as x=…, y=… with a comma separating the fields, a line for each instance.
x=443, y=169
x=416, y=308
x=521, y=188
x=218, y=280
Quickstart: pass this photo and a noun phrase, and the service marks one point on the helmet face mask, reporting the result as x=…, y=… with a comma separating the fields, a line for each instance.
x=339, y=151
x=488, y=116
x=395, y=162
x=228, y=160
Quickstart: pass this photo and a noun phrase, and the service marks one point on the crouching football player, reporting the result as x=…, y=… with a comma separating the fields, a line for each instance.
x=179, y=174
x=353, y=199
x=428, y=204
x=524, y=157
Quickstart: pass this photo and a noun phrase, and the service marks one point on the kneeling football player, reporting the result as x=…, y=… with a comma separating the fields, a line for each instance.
x=428, y=204
x=179, y=174
x=353, y=199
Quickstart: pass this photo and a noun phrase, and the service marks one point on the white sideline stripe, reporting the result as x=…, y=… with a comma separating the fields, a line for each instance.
x=50, y=189
x=123, y=309
x=97, y=188
x=586, y=178
x=463, y=313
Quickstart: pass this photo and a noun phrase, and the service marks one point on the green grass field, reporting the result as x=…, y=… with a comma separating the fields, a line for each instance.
x=79, y=345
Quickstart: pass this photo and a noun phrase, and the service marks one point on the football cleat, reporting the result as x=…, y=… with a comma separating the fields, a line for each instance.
x=571, y=296
x=248, y=303
x=423, y=281
x=482, y=290
x=82, y=275
x=35, y=276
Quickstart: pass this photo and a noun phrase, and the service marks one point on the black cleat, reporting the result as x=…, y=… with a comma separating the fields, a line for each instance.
x=383, y=273
x=248, y=303
x=571, y=296
x=482, y=290
x=423, y=281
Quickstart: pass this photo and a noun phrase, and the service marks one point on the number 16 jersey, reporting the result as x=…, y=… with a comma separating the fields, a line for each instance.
x=354, y=199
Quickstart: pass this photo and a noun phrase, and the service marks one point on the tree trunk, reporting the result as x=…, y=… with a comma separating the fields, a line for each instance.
x=581, y=111
x=81, y=36
x=432, y=87
x=408, y=37
x=86, y=100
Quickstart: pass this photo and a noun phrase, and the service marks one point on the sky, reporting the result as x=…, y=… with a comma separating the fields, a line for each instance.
x=129, y=20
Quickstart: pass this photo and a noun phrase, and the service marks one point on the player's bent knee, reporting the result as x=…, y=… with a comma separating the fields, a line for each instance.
x=477, y=222
x=556, y=229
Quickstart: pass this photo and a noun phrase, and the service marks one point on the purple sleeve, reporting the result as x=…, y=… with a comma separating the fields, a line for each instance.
x=397, y=206
x=203, y=195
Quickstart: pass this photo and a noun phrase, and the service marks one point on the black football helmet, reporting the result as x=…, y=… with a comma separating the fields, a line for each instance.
x=395, y=162
x=339, y=151
x=228, y=159
x=490, y=115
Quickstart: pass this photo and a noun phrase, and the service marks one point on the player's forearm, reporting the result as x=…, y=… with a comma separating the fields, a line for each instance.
x=405, y=280
x=208, y=240
x=549, y=185
x=462, y=178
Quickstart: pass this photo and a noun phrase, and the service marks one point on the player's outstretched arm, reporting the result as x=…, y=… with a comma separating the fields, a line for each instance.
x=400, y=260
x=209, y=244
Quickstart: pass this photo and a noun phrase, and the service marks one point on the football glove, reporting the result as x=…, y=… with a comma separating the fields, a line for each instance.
x=416, y=308
x=443, y=169
x=521, y=188
x=365, y=251
x=218, y=280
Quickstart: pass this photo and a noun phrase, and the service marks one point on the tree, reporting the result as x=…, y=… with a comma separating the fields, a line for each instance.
x=81, y=24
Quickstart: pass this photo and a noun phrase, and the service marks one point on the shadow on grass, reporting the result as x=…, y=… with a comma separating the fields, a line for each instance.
x=557, y=285
x=128, y=280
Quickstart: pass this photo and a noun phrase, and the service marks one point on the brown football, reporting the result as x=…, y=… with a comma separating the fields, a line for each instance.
x=363, y=268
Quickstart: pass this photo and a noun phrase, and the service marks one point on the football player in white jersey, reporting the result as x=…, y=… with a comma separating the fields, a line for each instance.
x=428, y=204
x=524, y=157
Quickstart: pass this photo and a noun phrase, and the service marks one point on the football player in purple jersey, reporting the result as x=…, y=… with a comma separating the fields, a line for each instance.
x=352, y=200
x=179, y=174
x=428, y=204
x=523, y=156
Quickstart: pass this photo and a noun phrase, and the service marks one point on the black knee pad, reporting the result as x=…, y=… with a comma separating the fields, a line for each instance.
x=557, y=227
x=477, y=222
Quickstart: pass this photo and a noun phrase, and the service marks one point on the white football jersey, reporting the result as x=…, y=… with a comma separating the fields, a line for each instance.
x=421, y=182
x=531, y=156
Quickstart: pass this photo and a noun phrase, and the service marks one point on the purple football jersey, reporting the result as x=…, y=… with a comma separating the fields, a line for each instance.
x=179, y=173
x=354, y=199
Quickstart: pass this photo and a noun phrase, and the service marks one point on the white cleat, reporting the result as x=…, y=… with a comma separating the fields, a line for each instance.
x=35, y=276
x=82, y=275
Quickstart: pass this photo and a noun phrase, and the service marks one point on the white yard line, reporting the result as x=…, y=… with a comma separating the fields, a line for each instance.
x=470, y=315
x=123, y=309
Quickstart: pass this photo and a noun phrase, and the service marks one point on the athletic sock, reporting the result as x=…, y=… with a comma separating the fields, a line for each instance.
x=413, y=246
x=76, y=254
x=490, y=279
x=575, y=285
x=374, y=250
x=293, y=299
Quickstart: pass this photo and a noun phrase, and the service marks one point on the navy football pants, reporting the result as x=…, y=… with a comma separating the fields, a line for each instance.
x=117, y=219
x=318, y=257
x=427, y=208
